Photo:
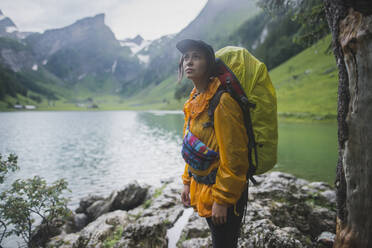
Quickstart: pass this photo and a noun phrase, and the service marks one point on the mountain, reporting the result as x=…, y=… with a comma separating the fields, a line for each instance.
x=83, y=58
x=14, y=52
x=7, y=26
x=138, y=47
x=269, y=39
x=218, y=19
x=87, y=48
x=9, y=29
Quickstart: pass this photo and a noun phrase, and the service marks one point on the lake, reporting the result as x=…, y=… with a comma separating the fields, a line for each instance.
x=99, y=151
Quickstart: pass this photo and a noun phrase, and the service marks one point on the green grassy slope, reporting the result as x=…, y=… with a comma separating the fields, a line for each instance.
x=306, y=85
x=159, y=96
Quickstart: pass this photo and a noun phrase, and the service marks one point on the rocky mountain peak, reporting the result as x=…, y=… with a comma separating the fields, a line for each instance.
x=97, y=20
x=7, y=26
x=89, y=30
x=138, y=40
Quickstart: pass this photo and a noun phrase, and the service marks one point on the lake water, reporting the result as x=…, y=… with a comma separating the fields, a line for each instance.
x=97, y=152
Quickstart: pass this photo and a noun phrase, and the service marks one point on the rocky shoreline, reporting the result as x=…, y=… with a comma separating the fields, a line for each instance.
x=283, y=211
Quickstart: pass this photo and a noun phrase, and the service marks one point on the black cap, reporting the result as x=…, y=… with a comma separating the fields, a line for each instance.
x=186, y=44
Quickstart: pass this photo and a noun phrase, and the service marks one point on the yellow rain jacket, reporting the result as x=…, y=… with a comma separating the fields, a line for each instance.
x=228, y=137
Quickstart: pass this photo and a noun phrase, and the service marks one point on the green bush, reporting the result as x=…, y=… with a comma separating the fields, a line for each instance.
x=26, y=201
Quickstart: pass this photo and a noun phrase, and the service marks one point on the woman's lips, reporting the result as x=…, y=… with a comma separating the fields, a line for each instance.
x=188, y=70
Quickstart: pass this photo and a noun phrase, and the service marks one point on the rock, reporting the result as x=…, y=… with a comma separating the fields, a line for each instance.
x=329, y=196
x=147, y=233
x=197, y=242
x=130, y=197
x=320, y=186
x=322, y=219
x=86, y=202
x=263, y=233
x=149, y=222
x=44, y=232
x=95, y=233
x=326, y=239
x=283, y=211
x=78, y=223
x=196, y=227
x=103, y=227
x=168, y=180
x=65, y=241
x=278, y=185
x=97, y=209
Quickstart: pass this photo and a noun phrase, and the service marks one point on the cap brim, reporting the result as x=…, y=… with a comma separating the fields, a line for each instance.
x=186, y=44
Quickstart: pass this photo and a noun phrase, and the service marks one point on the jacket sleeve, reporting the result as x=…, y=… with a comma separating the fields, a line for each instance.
x=232, y=141
x=185, y=176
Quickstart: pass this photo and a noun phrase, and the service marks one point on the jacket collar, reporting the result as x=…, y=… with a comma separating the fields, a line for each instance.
x=193, y=107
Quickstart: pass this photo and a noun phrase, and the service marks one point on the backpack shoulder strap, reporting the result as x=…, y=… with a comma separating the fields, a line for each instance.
x=213, y=103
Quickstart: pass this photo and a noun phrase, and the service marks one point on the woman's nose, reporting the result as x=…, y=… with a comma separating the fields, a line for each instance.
x=189, y=62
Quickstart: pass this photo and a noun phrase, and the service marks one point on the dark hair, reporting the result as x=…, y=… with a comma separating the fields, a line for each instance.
x=210, y=66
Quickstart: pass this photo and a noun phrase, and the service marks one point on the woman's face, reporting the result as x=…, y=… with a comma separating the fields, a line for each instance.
x=195, y=65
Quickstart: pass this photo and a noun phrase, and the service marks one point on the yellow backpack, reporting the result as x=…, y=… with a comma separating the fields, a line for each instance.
x=247, y=80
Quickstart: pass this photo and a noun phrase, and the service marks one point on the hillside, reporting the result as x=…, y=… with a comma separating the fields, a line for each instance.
x=306, y=85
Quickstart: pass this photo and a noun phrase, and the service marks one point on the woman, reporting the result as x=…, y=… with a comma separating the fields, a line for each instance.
x=214, y=182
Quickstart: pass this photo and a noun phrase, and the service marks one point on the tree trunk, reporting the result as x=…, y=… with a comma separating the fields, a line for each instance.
x=351, y=27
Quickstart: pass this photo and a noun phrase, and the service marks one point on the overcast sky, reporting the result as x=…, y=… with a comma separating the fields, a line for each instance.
x=126, y=18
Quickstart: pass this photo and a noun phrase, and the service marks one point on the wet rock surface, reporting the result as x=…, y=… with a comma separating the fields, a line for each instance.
x=145, y=225
x=283, y=211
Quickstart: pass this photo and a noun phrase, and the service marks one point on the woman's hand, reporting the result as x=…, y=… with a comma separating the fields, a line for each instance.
x=219, y=214
x=185, y=196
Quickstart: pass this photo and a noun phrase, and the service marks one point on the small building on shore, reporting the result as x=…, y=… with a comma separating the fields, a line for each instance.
x=18, y=106
x=30, y=107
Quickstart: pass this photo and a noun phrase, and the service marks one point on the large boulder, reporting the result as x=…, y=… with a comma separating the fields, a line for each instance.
x=98, y=208
x=148, y=232
x=150, y=221
x=197, y=227
x=197, y=242
x=142, y=227
x=86, y=202
x=130, y=197
x=93, y=206
x=95, y=233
